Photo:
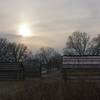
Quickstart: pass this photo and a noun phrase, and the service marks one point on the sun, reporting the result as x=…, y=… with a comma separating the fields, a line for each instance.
x=24, y=31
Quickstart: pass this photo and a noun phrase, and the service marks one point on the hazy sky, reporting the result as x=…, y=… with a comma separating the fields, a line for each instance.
x=50, y=21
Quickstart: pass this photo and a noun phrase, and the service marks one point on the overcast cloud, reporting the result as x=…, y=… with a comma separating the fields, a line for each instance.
x=51, y=20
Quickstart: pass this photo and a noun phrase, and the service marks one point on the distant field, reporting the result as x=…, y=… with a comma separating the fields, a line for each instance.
x=49, y=89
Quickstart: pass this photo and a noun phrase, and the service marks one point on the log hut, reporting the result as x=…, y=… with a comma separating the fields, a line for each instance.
x=11, y=71
x=81, y=67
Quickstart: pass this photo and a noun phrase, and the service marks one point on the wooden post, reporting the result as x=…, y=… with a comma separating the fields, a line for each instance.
x=40, y=70
x=18, y=75
x=22, y=71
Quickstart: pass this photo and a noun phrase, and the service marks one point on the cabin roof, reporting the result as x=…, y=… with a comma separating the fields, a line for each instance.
x=10, y=66
x=81, y=61
x=82, y=55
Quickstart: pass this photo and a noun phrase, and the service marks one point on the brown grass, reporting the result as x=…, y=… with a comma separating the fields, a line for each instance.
x=51, y=89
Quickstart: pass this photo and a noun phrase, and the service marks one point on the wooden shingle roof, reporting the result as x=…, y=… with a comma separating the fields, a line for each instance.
x=81, y=61
x=10, y=66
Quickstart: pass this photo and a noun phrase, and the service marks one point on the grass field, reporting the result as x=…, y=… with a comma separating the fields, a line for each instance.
x=49, y=89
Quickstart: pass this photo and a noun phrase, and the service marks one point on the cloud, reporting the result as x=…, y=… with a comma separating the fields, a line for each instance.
x=52, y=21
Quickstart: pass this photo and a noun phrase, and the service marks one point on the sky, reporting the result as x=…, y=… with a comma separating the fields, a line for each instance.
x=50, y=21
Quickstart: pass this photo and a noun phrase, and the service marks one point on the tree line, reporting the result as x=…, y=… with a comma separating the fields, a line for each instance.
x=78, y=43
x=47, y=57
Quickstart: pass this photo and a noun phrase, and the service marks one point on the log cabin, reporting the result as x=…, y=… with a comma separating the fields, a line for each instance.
x=11, y=71
x=81, y=67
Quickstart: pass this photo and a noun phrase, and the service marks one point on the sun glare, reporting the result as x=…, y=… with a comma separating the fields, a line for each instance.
x=24, y=30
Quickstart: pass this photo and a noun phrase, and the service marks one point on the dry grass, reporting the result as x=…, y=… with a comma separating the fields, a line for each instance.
x=50, y=89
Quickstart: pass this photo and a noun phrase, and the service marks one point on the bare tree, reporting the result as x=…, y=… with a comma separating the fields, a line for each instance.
x=78, y=44
x=96, y=45
x=3, y=49
x=17, y=52
x=12, y=52
x=48, y=57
